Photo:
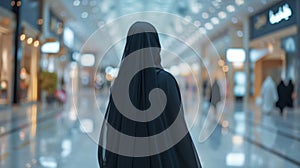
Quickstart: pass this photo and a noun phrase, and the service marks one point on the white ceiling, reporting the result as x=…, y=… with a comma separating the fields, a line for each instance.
x=86, y=16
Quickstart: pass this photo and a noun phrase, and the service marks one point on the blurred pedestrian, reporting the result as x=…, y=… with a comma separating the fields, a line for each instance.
x=215, y=94
x=268, y=95
x=290, y=92
x=285, y=94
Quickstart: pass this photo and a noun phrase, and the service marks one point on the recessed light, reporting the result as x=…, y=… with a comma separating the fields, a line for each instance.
x=239, y=2
x=240, y=33
x=205, y=15
x=195, y=8
x=215, y=20
x=230, y=8
x=197, y=23
x=234, y=20
x=222, y=15
x=202, y=30
x=250, y=9
x=76, y=3
x=208, y=26
x=215, y=4
x=29, y=40
x=84, y=15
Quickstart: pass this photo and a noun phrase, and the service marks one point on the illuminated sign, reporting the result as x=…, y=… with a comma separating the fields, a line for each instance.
x=277, y=17
x=51, y=47
x=284, y=13
x=235, y=55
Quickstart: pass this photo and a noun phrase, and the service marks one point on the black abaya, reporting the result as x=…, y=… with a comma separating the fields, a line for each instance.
x=290, y=91
x=143, y=35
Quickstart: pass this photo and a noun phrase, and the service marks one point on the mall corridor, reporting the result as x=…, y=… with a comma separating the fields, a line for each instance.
x=235, y=63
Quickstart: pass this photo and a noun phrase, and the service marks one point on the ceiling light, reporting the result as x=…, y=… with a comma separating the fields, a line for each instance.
x=195, y=7
x=205, y=15
x=36, y=43
x=250, y=9
x=240, y=33
x=230, y=8
x=76, y=3
x=234, y=20
x=197, y=23
x=225, y=68
x=202, y=30
x=208, y=26
x=29, y=40
x=215, y=20
x=84, y=15
x=222, y=15
x=22, y=37
x=215, y=4
x=239, y=2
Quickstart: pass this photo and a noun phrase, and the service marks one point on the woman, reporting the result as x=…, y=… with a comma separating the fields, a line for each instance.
x=268, y=95
x=143, y=45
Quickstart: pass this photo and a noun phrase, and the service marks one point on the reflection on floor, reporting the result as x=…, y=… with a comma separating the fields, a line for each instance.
x=64, y=136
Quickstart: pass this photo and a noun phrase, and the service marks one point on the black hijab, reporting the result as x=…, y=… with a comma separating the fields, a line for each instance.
x=143, y=45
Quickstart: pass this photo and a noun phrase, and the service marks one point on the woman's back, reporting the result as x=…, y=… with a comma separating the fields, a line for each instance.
x=129, y=143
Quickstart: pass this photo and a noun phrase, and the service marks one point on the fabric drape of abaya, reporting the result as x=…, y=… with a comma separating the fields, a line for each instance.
x=290, y=90
x=143, y=35
x=285, y=95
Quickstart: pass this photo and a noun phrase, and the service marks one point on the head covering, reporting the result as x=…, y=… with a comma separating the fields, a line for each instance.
x=142, y=35
x=140, y=60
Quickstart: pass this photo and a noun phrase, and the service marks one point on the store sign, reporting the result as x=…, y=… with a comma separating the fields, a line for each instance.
x=284, y=13
x=279, y=16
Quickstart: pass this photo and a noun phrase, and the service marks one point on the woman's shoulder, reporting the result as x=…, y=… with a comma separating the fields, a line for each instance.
x=165, y=76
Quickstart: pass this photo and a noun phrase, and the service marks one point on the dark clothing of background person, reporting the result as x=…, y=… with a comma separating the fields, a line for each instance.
x=215, y=95
x=143, y=35
x=285, y=95
x=290, y=90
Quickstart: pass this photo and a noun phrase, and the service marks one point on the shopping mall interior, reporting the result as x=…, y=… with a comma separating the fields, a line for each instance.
x=59, y=59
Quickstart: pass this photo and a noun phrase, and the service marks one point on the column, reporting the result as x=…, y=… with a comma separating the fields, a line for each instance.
x=246, y=31
x=297, y=76
x=16, y=8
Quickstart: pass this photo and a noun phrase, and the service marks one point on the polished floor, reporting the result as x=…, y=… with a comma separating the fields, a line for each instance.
x=50, y=136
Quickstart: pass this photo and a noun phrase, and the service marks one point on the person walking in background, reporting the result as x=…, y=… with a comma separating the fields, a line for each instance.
x=290, y=92
x=215, y=94
x=268, y=95
x=285, y=93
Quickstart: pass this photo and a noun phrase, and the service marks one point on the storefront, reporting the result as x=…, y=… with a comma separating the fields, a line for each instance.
x=29, y=64
x=274, y=38
x=7, y=27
